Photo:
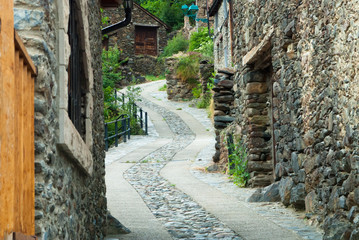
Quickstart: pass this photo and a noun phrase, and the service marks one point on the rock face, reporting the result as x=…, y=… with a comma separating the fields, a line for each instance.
x=296, y=98
x=70, y=200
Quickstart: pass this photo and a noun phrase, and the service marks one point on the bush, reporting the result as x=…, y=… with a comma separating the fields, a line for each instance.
x=188, y=68
x=197, y=38
x=110, y=64
x=177, y=44
x=202, y=43
x=237, y=164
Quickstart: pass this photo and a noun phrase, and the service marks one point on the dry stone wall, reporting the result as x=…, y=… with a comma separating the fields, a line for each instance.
x=312, y=70
x=69, y=203
x=177, y=89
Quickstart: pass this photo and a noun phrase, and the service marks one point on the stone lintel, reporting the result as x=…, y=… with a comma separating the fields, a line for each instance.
x=73, y=145
x=256, y=52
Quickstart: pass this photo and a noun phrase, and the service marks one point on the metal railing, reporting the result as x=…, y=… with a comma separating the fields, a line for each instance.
x=120, y=129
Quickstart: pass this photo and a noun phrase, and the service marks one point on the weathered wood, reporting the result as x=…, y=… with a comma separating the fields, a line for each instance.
x=7, y=114
x=19, y=45
x=17, y=180
x=146, y=41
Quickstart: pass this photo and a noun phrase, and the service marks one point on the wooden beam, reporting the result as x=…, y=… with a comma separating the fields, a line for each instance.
x=24, y=54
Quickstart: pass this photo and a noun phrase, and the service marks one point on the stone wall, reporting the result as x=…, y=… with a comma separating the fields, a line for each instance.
x=177, y=89
x=125, y=37
x=70, y=189
x=223, y=99
x=306, y=54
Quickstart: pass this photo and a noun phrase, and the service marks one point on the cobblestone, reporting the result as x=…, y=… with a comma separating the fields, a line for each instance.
x=182, y=217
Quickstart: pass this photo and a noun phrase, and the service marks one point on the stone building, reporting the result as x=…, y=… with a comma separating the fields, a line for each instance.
x=222, y=12
x=63, y=38
x=141, y=41
x=296, y=104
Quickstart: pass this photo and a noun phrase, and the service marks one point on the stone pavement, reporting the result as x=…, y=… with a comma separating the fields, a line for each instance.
x=157, y=188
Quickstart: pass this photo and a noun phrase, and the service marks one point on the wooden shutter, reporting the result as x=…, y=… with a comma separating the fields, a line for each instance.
x=146, y=41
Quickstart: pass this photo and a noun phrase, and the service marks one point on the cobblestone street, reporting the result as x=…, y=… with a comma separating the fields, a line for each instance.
x=157, y=185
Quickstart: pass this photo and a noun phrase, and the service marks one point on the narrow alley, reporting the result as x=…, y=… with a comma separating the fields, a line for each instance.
x=157, y=185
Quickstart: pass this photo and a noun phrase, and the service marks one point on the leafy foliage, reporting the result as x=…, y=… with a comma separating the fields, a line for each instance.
x=237, y=164
x=197, y=38
x=110, y=64
x=201, y=42
x=169, y=11
x=188, y=68
x=177, y=44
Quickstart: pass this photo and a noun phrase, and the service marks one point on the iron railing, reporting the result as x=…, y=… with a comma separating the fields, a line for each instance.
x=120, y=129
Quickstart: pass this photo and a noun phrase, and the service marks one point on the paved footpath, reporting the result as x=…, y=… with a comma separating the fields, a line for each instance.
x=157, y=186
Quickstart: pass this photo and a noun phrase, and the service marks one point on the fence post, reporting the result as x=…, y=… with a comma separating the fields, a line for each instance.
x=123, y=121
x=135, y=111
x=129, y=128
x=116, y=133
x=115, y=96
x=123, y=100
x=106, y=136
x=141, y=118
x=146, y=123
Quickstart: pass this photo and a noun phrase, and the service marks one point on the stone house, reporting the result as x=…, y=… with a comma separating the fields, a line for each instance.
x=142, y=41
x=296, y=104
x=222, y=12
x=63, y=38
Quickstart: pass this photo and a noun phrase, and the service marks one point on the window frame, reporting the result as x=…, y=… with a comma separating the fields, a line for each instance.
x=70, y=141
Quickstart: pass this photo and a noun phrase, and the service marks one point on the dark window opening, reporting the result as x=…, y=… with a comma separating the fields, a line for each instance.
x=77, y=83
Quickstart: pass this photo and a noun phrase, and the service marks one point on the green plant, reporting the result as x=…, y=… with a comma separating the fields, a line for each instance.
x=202, y=43
x=205, y=101
x=155, y=78
x=237, y=163
x=110, y=64
x=197, y=91
x=163, y=88
x=177, y=44
x=188, y=68
x=197, y=38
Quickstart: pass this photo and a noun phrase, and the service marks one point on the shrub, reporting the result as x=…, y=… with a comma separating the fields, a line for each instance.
x=237, y=163
x=188, y=68
x=177, y=44
x=197, y=38
x=110, y=65
x=197, y=91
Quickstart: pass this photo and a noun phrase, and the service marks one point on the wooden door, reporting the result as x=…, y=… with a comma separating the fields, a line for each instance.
x=17, y=73
x=146, y=40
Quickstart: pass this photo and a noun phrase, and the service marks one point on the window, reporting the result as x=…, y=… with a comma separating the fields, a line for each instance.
x=75, y=80
x=225, y=10
x=76, y=84
x=216, y=21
